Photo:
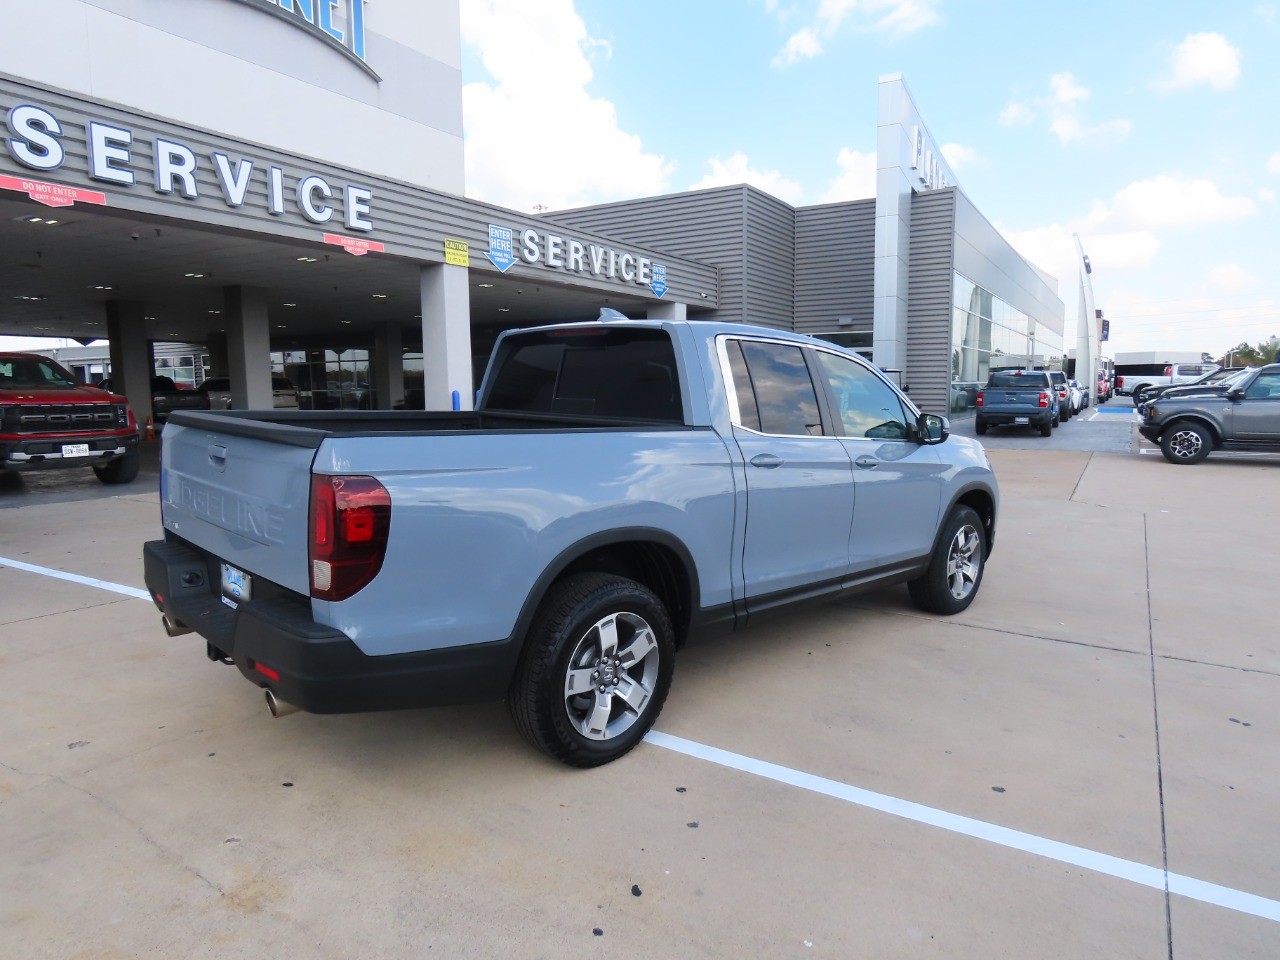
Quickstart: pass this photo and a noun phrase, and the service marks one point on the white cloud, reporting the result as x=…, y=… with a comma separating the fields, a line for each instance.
x=1122, y=237
x=1167, y=201
x=893, y=17
x=1273, y=163
x=738, y=169
x=801, y=45
x=857, y=177
x=1062, y=107
x=521, y=154
x=1231, y=278
x=1202, y=59
x=1266, y=195
x=959, y=155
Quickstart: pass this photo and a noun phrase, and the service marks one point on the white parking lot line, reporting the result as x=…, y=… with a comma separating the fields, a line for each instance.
x=1139, y=873
x=76, y=578
x=1103, y=863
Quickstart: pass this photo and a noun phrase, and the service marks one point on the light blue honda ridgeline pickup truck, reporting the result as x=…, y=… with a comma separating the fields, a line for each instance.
x=622, y=487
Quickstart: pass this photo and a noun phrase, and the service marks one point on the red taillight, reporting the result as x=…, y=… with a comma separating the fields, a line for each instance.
x=1119, y=382
x=1044, y=399
x=350, y=520
x=978, y=402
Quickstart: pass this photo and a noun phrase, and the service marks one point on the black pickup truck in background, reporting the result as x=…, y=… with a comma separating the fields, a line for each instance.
x=1018, y=398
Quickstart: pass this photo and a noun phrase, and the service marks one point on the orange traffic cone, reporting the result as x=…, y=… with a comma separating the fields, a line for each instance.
x=150, y=432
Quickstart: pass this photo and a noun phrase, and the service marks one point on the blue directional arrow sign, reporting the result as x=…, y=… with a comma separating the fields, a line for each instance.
x=659, y=283
x=501, y=252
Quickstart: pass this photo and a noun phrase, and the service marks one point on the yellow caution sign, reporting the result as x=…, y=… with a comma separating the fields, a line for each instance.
x=457, y=252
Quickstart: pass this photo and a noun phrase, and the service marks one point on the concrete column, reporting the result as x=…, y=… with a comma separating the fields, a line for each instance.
x=215, y=344
x=446, y=337
x=667, y=310
x=387, y=365
x=131, y=368
x=248, y=347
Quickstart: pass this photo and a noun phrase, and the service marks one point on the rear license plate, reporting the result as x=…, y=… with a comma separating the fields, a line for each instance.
x=237, y=586
x=75, y=449
x=1021, y=419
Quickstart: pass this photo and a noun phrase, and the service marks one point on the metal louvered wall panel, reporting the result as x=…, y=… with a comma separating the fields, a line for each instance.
x=769, y=297
x=709, y=226
x=835, y=267
x=929, y=279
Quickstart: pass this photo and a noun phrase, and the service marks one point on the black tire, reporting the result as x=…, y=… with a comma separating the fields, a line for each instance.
x=582, y=620
x=948, y=588
x=1046, y=428
x=979, y=426
x=1186, y=441
x=1057, y=421
x=121, y=469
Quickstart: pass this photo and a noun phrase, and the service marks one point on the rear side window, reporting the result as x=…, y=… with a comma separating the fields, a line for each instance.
x=775, y=392
x=625, y=373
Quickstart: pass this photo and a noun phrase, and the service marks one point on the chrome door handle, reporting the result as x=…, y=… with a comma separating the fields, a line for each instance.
x=867, y=463
x=766, y=460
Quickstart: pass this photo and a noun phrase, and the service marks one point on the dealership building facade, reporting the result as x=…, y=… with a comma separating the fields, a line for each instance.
x=285, y=180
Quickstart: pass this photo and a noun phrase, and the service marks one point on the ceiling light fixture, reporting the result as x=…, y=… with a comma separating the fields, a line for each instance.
x=194, y=276
x=288, y=304
x=485, y=286
x=379, y=296
x=308, y=259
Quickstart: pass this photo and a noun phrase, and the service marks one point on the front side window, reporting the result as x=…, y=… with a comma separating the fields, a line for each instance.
x=1266, y=387
x=777, y=379
x=869, y=408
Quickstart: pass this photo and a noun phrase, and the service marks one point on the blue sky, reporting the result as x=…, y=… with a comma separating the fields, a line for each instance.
x=1148, y=128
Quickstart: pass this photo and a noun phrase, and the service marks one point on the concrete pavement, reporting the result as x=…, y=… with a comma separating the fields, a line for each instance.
x=1114, y=688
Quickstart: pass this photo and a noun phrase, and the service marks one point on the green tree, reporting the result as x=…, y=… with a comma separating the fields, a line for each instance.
x=1252, y=355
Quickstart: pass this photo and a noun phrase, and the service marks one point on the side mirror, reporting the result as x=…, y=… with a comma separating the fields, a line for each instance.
x=931, y=428
x=1235, y=393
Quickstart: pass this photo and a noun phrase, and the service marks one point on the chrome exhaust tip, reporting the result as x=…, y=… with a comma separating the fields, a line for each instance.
x=172, y=627
x=278, y=707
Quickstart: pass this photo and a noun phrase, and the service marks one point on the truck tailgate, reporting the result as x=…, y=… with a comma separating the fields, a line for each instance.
x=242, y=498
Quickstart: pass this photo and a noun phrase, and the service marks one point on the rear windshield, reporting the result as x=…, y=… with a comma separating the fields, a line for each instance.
x=1019, y=378
x=625, y=373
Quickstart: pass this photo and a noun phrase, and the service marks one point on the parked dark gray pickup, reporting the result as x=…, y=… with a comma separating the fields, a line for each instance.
x=1189, y=426
x=1018, y=398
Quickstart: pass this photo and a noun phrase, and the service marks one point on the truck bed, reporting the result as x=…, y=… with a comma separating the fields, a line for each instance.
x=308, y=428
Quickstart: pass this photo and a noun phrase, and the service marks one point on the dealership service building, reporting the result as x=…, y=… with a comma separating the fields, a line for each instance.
x=281, y=183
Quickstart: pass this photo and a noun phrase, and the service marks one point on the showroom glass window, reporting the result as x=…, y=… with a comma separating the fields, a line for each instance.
x=989, y=334
x=868, y=407
x=774, y=390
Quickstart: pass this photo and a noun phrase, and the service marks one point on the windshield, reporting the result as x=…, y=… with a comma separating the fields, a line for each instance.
x=1235, y=378
x=34, y=372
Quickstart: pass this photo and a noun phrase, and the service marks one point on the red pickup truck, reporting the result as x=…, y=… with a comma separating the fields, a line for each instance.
x=48, y=421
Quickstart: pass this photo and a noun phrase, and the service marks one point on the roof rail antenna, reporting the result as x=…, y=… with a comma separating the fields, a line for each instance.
x=608, y=313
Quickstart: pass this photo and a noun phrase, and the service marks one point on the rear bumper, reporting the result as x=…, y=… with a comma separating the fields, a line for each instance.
x=45, y=453
x=310, y=665
x=1038, y=418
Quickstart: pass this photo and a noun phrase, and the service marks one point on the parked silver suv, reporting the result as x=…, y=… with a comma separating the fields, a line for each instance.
x=218, y=390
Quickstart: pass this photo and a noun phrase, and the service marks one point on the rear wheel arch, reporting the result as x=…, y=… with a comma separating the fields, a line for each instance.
x=652, y=558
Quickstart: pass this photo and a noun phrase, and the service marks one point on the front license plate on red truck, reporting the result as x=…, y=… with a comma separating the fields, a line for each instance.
x=75, y=449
